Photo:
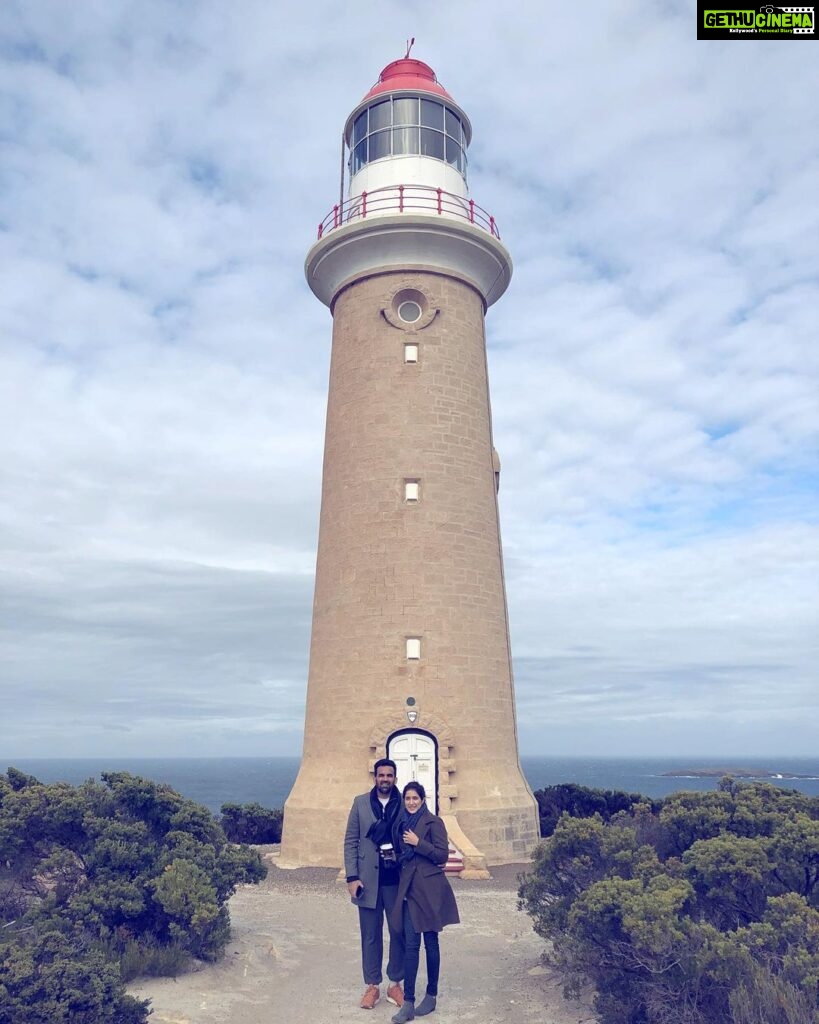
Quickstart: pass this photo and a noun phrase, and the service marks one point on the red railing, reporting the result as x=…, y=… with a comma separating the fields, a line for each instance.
x=408, y=199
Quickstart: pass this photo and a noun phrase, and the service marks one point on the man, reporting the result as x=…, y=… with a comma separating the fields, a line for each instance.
x=372, y=879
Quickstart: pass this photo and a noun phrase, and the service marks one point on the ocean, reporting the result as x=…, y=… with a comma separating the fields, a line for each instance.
x=214, y=781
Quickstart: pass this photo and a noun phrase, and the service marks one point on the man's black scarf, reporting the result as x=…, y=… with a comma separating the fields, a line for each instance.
x=381, y=829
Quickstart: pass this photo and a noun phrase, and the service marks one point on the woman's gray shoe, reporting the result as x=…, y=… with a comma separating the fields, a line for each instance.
x=427, y=1005
x=407, y=1012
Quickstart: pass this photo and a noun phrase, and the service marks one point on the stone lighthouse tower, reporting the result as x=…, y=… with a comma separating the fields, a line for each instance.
x=410, y=654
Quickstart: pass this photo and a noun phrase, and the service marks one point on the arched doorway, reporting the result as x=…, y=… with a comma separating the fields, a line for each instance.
x=416, y=757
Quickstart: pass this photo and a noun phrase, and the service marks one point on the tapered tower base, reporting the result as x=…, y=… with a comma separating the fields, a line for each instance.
x=393, y=569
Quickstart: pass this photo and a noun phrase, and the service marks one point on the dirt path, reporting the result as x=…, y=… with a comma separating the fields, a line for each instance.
x=294, y=957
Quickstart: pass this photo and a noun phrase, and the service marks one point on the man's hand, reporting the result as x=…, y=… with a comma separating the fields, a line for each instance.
x=355, y=888
x=410, y=838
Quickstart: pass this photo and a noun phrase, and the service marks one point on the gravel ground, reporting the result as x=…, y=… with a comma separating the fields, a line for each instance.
x=294, y=956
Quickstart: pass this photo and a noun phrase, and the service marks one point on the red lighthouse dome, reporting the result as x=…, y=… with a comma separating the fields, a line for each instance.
x=407, y=73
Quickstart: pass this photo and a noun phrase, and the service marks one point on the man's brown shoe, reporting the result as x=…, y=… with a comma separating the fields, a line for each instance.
x=395, y=994
x=370, y=997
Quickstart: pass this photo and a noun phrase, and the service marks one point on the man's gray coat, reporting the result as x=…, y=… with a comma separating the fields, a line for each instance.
x=361, y=853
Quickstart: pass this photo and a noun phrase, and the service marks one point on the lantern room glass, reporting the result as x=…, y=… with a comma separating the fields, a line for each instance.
x=404, y=126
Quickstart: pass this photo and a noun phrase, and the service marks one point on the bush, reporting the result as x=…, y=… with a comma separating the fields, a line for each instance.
x=582, y=802
x=52, y=980
x=703, y=910
x=100, y=882
x=251, y=823
x=150, y=960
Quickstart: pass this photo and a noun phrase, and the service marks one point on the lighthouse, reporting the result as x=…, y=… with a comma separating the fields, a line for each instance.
x=410, y=655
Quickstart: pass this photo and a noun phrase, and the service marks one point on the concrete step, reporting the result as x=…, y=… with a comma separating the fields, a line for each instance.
x=455, y=863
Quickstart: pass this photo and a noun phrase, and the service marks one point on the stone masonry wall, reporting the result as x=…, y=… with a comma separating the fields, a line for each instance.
x=388, y=569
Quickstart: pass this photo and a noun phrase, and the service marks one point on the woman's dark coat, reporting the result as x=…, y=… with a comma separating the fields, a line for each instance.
x=427, y=890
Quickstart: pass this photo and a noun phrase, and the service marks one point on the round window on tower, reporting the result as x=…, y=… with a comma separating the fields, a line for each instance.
x=409, y=305
x=409, y=312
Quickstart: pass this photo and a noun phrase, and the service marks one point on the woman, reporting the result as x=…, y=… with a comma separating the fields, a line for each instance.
x=425, y=902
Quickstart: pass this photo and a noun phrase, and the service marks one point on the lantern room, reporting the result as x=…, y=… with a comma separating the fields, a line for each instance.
x=407, y=130
x=406, y=200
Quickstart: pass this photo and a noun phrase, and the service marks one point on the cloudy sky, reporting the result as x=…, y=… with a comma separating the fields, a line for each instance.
x=163, y=365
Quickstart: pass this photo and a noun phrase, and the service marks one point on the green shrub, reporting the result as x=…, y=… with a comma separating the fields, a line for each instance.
x=149, y=960
x=104, y=881
x=50, y=979
x=702, y=910
x=251, y=823
x=582, y=802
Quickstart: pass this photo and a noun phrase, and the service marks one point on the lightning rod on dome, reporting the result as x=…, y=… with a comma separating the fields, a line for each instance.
x=410, y=44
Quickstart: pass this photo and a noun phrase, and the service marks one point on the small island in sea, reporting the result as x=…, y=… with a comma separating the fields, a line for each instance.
x=737, y=773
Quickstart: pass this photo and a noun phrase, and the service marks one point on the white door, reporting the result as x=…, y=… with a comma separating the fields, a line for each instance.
x=414, y=756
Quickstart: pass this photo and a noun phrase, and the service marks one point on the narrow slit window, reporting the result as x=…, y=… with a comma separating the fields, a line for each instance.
x=413, y=648
x=411, y=353
x=412, y=490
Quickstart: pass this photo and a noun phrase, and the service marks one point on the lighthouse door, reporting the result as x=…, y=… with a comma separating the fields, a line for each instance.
x=414, y=755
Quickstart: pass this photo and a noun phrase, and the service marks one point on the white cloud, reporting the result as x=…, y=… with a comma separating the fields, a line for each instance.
x=163, y=366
